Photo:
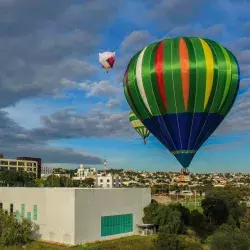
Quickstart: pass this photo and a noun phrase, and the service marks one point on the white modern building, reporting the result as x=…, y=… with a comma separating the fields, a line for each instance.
x=83, y=173
x=78, y=215
x=109, y=181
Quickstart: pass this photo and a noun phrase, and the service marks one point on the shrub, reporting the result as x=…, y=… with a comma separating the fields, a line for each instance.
x=229, y=238
x=14, y=232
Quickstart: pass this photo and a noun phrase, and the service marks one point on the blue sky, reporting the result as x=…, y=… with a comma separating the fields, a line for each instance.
x=56, y=102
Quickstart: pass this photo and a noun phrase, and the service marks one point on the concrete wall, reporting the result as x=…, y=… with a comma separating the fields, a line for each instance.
x=55, y=210
x=92, y=204
x=73, y=215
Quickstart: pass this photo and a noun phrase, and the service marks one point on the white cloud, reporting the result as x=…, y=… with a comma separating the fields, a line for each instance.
x=102, y=88
x=113, y=103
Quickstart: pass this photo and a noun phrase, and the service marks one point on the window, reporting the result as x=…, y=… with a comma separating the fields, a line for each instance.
x=4, y=162
x=20, y=163
x=101, y=180
x=17, y=215
x=29, y=216
x=116, y=224
x=13, y=163
x=22, y=210
x=108, y=185
x=29, y=164
x=1, y=205
x=11, y=208
x=108, y=180
x=35, y=212
x=34, y=164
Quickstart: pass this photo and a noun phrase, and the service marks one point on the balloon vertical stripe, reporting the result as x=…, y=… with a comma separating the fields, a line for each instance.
x=229, y=72
x=210, y=71
x=159, y=59
x=139, y=80
x=184, y=60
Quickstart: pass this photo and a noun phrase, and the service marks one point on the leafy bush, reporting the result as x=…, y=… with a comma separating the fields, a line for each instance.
x=14, y=232
x=174, y=241
x=227, y=237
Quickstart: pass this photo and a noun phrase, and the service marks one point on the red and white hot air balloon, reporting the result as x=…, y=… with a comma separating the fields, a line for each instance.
x=107, y=59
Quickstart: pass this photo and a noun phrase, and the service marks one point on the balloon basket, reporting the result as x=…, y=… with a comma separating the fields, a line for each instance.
x=185, y=171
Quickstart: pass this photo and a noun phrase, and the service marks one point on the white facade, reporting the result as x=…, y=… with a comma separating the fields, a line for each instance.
x=109, y=181
x=77, y=215
x=83, y=173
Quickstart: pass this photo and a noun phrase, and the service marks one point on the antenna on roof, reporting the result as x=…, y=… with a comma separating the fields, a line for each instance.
x=105, y=164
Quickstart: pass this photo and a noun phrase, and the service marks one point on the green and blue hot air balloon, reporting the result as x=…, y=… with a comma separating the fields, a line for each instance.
x=181, y=89
x=138, y=126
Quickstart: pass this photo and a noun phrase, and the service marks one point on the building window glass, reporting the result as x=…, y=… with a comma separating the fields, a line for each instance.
x=22, y=210
x=108, y=185
x=4, y=162
x=116, y=224
x=20, y=163
x=35, y=212
x=13, y=163
x=29, y=164
x=100, y=180
x=108, y=180
x=17, y=215
x=29, y=216
x=11, y=208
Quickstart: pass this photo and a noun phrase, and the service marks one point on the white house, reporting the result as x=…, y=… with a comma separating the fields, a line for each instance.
x=109, y=181
x=83, y=173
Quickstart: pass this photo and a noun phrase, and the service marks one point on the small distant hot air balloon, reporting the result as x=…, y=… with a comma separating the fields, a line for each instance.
x=138, y=126
x=182, y=89
x=107, y=59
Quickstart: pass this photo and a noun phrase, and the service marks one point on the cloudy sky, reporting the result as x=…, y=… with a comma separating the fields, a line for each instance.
x=58, y=104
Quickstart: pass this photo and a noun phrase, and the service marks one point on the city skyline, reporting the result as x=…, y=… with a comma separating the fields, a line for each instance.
x=57, y=102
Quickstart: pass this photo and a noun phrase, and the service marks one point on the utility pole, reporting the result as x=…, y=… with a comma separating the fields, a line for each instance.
x=195, y=199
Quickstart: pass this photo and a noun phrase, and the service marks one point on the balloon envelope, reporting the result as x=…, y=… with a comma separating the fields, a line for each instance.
x=182, y=89
x=107, y=59
x=138, y=126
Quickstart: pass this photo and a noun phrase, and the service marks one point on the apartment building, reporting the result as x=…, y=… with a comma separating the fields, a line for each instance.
x=19, y=165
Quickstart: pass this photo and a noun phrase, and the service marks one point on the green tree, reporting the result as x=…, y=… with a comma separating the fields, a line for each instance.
x=14, y=232
x=229, y=238
x=40, y=183
x=166, y=218
x=219, y=205
x=65, y=182
x=53, y=181
x=88, y=182
x=197, y=220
